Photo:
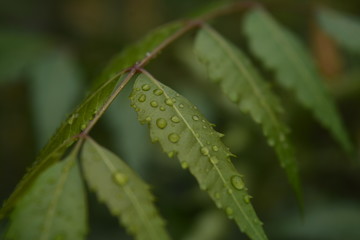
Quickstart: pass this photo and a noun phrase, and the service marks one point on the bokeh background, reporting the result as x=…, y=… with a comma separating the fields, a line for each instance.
x=50, y=51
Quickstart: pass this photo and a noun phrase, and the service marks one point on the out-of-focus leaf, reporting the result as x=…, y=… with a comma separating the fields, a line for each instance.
x=124, y=193
x=85, y=112
x=55, y=86
x=183, y=131
x=18, y=51
x=243, y=85
x=282, y=51
x=343, y=28
x=54, y=207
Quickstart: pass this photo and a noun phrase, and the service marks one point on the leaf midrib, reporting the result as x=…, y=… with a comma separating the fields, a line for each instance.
x=202, y=145
x=289, y=51
x=127, y=190
x=49, y=216
x=248, y=77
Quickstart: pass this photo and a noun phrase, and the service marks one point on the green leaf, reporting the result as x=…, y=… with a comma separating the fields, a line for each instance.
x=83, y=114
x=240, y=81
x=18, y=51
x=183, y=131
x=125, y=194
x=48, y=88
x=54, y=207
x=282, y=52
x=343, y=28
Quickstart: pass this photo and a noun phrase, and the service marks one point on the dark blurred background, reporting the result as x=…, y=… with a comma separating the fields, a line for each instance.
x=50, y=51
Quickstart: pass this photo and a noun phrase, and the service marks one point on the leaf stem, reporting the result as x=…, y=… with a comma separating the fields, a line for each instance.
x=137, y=67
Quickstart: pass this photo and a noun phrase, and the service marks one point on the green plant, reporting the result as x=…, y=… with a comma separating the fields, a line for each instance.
x=55, y=185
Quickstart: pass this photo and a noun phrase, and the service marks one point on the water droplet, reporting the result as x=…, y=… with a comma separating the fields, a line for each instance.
x=175, y=119
x=154, y=104
x=70, y=120
x=237, y=182
x=194, y=107
x=215, y=148
x=146, y=87
x=173, y=137
x=247, y=198
x=230, y=191
x=218, y=204
x=169, y=102
x=229, y=212
x=161, y=123
x=178, y=95
x=184, y=165
x=204, y=151
x=181, y=105
x=162, y=108
x=195, y=118
x=137, y=109
x=214, y=160
x=120, y=178
x=148, y=119
x=83, y=126
x=204, y=127
x=142, y=98
x=158, y=92
x=171, y=154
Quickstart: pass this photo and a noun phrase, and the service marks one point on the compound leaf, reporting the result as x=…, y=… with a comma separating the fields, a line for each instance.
x=343, y=28
x=240, y=81
x=53, y=207
x=125, y=194
x=183, y=131
x=83, y=114
x=282, y=52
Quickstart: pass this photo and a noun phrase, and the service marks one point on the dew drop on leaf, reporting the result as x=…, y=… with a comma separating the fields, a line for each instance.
x=169, y=102
x=154, y=104
x=215, y=148
x=214, y=160
x=142, y=98
x=247, y=198
x=161, y=123
x=237, y=182
x=171, y=154
x=173, y=137
x=184, y=165
x=158, y=92
x=230, y=191
x=162, y=108
x=148, y=119
x=229, y=212
x=175, y=119
x=195, y=118
x=120, y=178
x=204, y=151
x=146, y=87
x=181, y=105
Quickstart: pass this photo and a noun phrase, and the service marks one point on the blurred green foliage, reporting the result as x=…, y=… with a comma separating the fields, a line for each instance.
x=77, y=37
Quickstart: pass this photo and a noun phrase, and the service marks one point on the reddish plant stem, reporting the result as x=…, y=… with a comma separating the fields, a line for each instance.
x=188, y=26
